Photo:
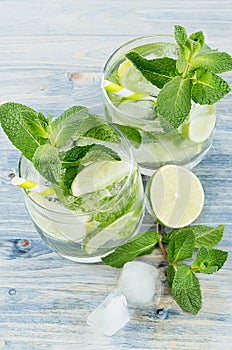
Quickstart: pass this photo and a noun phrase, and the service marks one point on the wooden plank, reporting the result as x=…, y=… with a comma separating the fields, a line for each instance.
x=83, y=17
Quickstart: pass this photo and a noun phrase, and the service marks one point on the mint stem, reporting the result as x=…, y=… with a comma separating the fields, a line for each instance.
x=162, y=248
x=185, y=71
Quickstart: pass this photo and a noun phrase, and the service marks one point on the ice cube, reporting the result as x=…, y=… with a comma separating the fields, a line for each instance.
x=112, y=315
x=138, y=282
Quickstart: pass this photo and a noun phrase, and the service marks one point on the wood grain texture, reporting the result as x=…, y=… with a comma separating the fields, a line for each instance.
x=51, y=57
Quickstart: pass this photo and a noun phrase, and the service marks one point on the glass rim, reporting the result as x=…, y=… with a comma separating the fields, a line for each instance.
x=131, y=160
x=194, y=106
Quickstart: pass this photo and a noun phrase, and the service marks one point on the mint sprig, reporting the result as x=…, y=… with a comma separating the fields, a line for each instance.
x=192, y=77
x=42, y=140
x=182, y=243
x=26, y=129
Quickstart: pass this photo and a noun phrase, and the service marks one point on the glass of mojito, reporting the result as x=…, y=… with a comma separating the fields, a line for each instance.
x=161, y=92
x=93, y=200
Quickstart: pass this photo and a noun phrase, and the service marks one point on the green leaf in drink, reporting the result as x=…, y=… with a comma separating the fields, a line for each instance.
x=215, y=62
x=66, y=125
x=46, y=160
x=25, y=128
x=174, y=101
x=102, y=131
x=76, y=157
x=198, y=37
x=208, y=88
x=157, y=71
x=181, y=35
x=131, y=133
x=76, y=122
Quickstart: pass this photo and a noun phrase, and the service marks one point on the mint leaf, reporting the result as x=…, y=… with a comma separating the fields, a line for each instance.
x=38, y=125
x=186, y=290
x=98, y=153
x=207, y=236
x=98, y=129
x=131, y=133
x=181, y=245
x=180, y=35
x=76, y=157
x=77, y=122
x=171, y=271
x=21, y=124
x=194, y=44
x=66, y=125
x=209, y=88
x=216, y=62
x=192, y=47
x=140, y=245
x=88, y=153
x=46, y=160
x=174, y=101
x=209, y=260
x=157, y=71
x=73, y=155
x=198, y=37
x=176, y=231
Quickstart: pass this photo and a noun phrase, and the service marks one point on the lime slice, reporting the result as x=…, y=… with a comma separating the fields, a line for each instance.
x=175, y=195
x=99, y=175
x=138, y=109
x=111, y=232
x=200, y=125
x=167, y=148
x=132, y=79
x=58, y=221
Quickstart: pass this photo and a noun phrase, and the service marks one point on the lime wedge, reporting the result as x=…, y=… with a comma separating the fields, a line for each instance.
x=132, y=79
x=200, y=125
x=99, y=175
x=175, y=195
x=111, y=232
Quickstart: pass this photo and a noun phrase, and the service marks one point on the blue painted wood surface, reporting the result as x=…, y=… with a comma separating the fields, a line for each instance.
x=51, y=57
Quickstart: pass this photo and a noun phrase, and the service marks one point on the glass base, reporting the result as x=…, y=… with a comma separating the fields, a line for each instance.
x=92, y=260
x=190, y=165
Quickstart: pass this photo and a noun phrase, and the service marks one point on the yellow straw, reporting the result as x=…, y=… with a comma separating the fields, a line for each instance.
x=31, y=185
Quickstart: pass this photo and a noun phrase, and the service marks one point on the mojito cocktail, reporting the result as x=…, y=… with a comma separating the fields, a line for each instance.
x=157, y=91
x=88, y=197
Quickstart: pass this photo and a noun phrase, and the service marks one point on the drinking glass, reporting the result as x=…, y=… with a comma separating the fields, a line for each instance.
x=154, y=143
x=104, y=220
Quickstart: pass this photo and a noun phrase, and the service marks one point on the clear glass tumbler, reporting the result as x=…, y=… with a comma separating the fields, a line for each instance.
x=154, y=144
x=105, y=218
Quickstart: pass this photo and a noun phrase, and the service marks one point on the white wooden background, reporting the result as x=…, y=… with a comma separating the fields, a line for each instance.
x=51, y=56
